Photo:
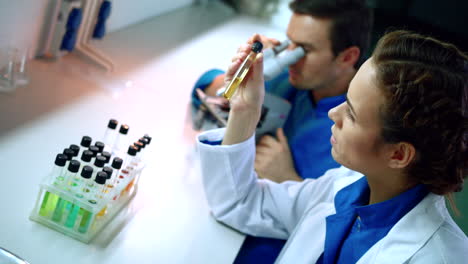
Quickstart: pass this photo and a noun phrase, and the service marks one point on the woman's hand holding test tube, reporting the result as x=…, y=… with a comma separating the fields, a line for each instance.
x=247, y=100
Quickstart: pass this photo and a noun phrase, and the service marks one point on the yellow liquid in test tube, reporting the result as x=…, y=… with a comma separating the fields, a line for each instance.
x=242, y=71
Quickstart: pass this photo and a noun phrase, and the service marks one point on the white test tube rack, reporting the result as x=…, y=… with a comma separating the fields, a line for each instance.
x=90, y=219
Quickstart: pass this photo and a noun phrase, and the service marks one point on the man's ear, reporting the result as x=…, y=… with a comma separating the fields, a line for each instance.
x=401, y=155
x=349, y=56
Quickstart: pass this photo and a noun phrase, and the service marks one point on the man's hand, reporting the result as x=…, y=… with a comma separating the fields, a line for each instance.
x=273, y=159
x=269, y=42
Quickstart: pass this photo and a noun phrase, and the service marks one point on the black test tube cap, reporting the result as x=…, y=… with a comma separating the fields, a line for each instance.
x=138, y=145
x=86, y=141
x=95, y=150
x=61, y=159
x=117, y=163
x=257, y=46
x=107, y=155
x=112, y=124
x=86, y=172
x=132, y=150
x=87, y=156
x=100, y=146
x=143, y=141
x=75, y=148
x=108, y=170
x=148, y=138
x=124, y=129
x=100, y=161
x=74, y=166
x=69, y=153
x=101, y=177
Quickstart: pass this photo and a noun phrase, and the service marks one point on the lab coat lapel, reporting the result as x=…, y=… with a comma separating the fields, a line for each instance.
x=409, y=234
x=297, y=250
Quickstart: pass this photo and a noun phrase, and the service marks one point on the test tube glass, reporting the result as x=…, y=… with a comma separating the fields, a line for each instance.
x=109, y=134
x=243, y=70
x=96, y=194
x=121, y=139
x=85, y=143
x=98, y=164
x=63, y=204
x=50, y=199
x=86, y=173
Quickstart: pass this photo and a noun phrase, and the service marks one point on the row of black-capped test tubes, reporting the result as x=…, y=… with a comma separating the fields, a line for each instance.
x=92, y=178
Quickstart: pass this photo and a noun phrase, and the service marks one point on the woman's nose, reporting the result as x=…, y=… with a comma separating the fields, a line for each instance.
x=333, y=114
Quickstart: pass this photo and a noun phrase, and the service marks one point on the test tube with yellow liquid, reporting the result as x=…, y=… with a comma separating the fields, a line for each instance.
x=243, y=70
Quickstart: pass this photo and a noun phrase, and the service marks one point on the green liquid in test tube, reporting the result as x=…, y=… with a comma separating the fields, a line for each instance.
x=85, y=220
x=63, y=205
x=52, y=200
x=57, y=216
x=86, y=173
x=46, y=209
x=49, y=202
x=71, y=218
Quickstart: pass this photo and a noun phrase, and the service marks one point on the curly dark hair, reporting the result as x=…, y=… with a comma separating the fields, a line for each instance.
x=425, y=83
x=351, y=22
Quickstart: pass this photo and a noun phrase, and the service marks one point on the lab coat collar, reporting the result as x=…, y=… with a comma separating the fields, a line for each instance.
x=410, y=233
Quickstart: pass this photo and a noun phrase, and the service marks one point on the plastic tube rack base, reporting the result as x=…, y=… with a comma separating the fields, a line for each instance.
x=83, y=218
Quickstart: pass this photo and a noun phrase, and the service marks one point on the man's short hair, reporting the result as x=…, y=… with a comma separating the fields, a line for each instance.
x=351, y=22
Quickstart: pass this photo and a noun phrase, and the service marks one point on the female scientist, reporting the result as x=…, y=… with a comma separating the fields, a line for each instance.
x=401, y=137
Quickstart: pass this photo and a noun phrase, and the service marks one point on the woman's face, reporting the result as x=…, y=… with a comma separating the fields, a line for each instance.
x=356, y=141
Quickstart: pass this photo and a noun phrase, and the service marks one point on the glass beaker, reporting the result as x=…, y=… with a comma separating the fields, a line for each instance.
x=13, y=68
x=20, y=67
x=7, y=69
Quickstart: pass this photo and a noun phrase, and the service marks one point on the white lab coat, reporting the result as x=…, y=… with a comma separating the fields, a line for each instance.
x=297, y=210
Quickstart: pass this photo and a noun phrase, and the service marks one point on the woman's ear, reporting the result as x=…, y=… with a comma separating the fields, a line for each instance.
x=401, y=155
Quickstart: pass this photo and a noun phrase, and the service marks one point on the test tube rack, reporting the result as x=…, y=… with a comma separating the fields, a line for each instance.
x=79, y=218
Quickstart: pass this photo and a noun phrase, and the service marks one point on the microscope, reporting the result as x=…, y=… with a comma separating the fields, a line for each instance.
x=278, y=58
x=214, y=110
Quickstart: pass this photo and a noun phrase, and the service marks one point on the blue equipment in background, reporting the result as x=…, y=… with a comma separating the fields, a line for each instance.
x=103, y=15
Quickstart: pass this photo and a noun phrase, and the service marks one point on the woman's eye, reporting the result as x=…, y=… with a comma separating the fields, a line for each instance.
x=348, y=113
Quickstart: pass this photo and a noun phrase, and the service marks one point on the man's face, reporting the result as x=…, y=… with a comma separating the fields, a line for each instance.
x=317, y=69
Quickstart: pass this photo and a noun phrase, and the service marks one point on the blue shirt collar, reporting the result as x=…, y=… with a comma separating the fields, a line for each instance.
x=327, y=103
x=355, y=197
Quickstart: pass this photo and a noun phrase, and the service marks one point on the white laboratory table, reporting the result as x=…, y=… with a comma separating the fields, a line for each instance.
x=169, y=220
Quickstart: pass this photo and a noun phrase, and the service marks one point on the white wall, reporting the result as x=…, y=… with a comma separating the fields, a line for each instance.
x=21, y=21
x=125, y=12
x=280, y=18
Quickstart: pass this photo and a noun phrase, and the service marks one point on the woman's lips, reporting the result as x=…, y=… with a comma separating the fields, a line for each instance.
x=332, y=140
